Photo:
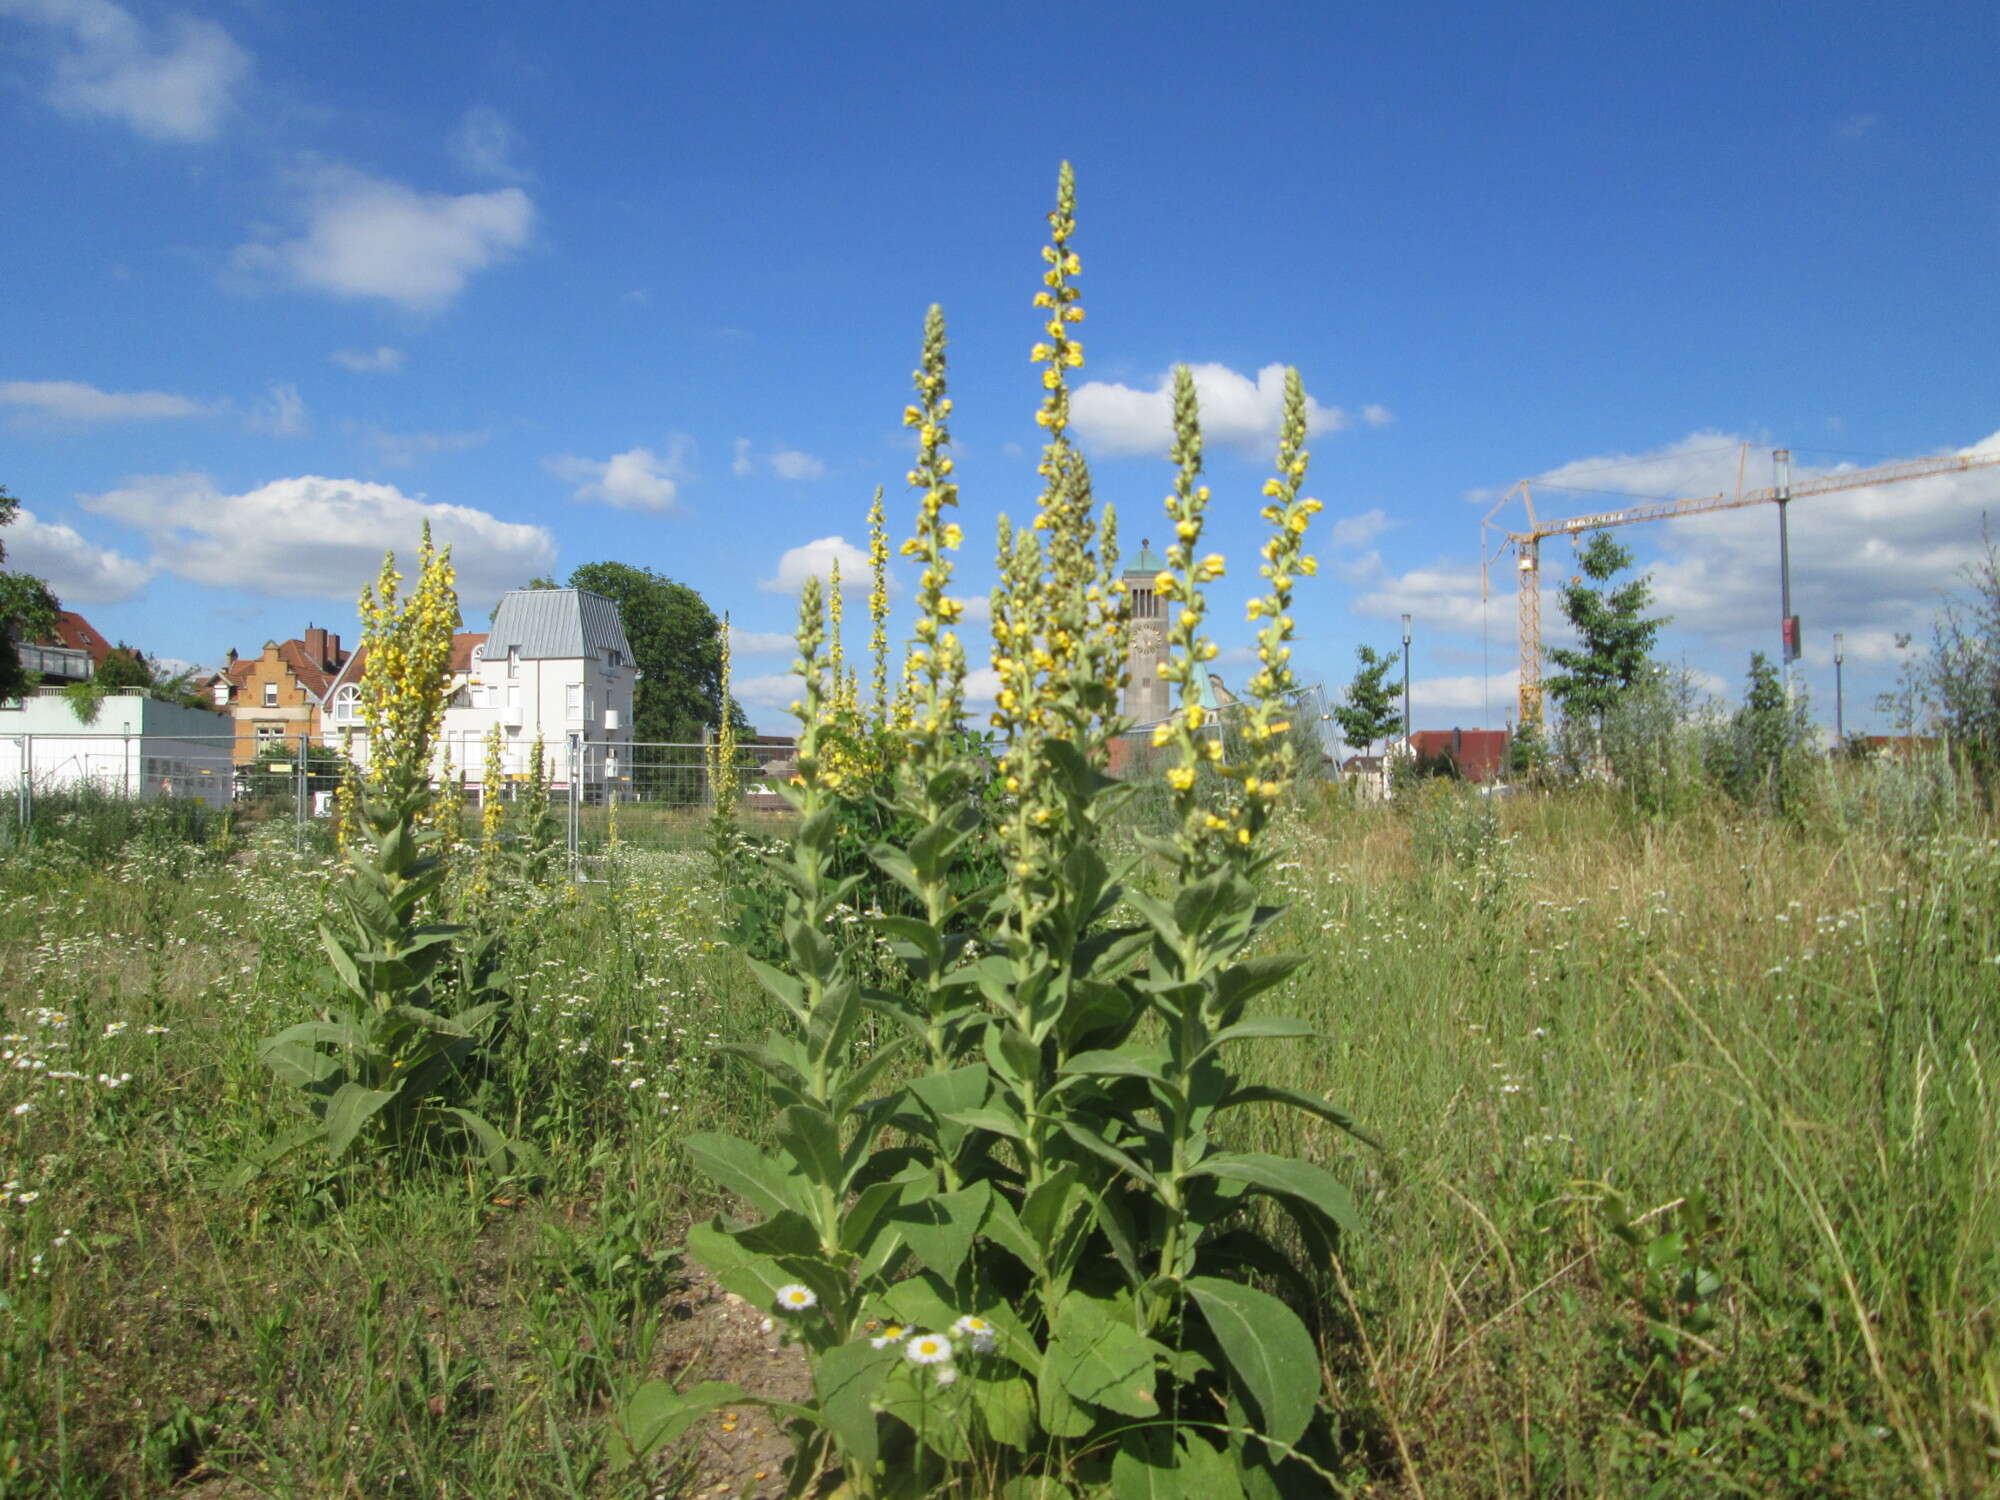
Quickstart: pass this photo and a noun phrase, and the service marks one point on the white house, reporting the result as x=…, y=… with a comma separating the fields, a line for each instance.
x=555, y=664
x=135, y=746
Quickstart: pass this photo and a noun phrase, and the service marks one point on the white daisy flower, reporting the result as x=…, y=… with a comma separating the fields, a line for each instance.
x=977, y=1332
x=928, y=1349
x=893, y=1334
x=796, y=1298
x=946, y=1374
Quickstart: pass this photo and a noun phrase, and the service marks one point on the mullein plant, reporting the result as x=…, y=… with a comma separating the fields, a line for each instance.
x=408, y=1004
x=725, y=780
x=1029, y=1267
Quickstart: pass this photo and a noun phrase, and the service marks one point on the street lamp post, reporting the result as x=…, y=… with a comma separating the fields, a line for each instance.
x=1839, y=694
x=1408, y=743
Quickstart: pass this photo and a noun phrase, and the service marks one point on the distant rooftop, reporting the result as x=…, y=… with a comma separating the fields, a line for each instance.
x=556, y=624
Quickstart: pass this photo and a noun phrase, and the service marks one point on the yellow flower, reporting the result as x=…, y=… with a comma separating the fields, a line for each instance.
x=1195, y=715
x=1181, y=778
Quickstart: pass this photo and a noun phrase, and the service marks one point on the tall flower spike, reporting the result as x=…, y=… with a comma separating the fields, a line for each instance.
x=878, y=604
x=1274, y=689
x=1179, y=587
x=936, y=658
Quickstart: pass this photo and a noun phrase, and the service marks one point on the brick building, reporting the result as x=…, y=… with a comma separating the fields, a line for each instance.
x=280, y=693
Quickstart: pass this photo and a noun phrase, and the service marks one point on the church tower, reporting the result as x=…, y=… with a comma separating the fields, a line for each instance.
x=1147, y=695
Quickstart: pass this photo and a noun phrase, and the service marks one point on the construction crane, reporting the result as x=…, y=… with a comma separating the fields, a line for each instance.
x=1527, y=545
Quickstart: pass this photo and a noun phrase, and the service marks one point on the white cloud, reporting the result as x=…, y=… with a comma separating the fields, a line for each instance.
x=484, y=144
x=1359, y=531
x=282, y=413
x=369, y=237
x=978, y=609
x=1377, y=415
x=760, y=642
x=816, y=559
x=401, y=449
x=1238, y=410
x=80, y=572
x=71, y=401
x=785, y=463
x=171, y=83
x=637, y=479
x=792, y=464
x=381, y=360
x=774, y=690
x=1854, y=127
x=316, y=537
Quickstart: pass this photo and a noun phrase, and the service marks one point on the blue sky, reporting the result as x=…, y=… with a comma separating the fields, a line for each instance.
x=646, y=283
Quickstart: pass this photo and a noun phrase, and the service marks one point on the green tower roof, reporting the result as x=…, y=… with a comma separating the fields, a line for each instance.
x=1147, y=561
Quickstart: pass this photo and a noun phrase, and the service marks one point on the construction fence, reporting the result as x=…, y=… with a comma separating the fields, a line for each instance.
x=643, y=796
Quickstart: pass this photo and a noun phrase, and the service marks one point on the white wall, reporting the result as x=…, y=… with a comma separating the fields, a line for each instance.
x=135, y=747
x=541, y=688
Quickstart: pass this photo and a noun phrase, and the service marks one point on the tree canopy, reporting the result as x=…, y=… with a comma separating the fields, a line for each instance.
x=677, y=645
x=1368, y=712
x=27, y=610
x=1615, y=638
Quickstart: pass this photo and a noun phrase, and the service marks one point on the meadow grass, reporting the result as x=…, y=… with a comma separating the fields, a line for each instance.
x=1688, y=1137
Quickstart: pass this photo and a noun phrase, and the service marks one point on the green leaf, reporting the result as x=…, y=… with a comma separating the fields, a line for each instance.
x=1159, y=1463
x=782, y=986
x=1006, y=1406
x=809, y=1137
x=1096, y=1356
x=1268, y=1093
x=1301, y=1181
x=1257, y=1028
x=1113, y=1065
x=1097, y=1145
x=999, y=1120
x=350, y=1108
x=343, y=963
x=1269, y=1350
x=657, y=1414
x=942, y=1226
x=918, y=937
x=848, y=1379
x=747, y=1172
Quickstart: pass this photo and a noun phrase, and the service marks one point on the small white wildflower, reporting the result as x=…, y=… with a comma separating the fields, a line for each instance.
x=796, y=1298
x=928, y=1349
x=893, y=1334
x=24, y=1106
x=766, y=1326
x=946, y=1374
x=977, y=1332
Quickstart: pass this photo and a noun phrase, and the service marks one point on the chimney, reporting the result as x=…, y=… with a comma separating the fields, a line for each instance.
x=316, y=645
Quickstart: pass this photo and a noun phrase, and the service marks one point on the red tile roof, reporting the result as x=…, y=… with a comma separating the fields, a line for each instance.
x=77, y=633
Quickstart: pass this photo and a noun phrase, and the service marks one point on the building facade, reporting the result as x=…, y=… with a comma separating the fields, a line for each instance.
x=281, y=693
x=555, y=665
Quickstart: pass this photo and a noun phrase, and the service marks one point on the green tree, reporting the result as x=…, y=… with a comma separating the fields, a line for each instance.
x=1963, y=673
x=677, y=646
x=1368, y=713
x=1768, y=742
x=27, y=611
x=1615, y=638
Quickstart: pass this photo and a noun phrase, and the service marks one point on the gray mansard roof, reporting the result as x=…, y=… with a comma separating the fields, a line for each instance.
x=556, y=623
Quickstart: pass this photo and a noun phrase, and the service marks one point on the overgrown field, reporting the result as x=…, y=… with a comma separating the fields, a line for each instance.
x=1685, y=1185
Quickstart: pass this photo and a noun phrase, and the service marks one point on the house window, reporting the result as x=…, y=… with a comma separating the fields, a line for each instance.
x=269, y=734
x=482, y=695
x=346, y=704
x=573, y=700
x=270, y=695
x=513, y=661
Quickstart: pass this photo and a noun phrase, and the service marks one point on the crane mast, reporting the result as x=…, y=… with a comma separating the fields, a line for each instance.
x=1527, y=545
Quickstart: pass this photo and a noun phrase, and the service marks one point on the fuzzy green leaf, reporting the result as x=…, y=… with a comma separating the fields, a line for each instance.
x=1301, y=1181
x=1269, y=1350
